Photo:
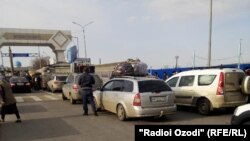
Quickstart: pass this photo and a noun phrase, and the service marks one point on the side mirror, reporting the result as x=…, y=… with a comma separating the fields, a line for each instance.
x=99, y=88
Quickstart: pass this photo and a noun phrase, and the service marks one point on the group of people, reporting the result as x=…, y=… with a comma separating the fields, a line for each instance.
x=8, y=102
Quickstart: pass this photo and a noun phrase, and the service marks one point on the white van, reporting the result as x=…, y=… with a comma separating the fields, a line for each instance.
x=210, y=89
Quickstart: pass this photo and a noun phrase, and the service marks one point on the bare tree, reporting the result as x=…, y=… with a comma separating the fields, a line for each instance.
x=38, y=63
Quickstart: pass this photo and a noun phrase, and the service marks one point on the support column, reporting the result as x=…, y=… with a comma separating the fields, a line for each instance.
x=60, y=56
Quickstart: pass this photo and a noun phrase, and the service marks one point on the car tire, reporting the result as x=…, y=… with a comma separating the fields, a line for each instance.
x=246, y=85
x=72, y=101
x=52, y=89
x=121, y=113
x=97, y=107
x=246, y=122
x=203, y=106
x=63, y=96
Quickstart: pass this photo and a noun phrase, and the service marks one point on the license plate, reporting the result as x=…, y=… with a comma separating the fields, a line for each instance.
x=158, y=99
x=19, y=84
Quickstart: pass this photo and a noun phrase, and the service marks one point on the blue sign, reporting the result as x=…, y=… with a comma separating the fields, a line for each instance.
x=20, y=54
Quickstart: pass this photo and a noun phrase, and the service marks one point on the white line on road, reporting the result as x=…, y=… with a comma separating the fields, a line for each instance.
x=19, y=99
x=51, y=97
x=36, y=98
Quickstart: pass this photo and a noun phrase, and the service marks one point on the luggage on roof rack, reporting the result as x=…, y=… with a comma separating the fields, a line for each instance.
x=130, y=68
x=122, y=69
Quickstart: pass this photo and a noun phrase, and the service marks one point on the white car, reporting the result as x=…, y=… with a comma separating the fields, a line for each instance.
x=210, y=89
x=241, y=115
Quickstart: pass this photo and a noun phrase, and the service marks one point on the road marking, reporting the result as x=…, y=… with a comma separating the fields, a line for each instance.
x=51, y=97
x=36, y=98
x=19, y=99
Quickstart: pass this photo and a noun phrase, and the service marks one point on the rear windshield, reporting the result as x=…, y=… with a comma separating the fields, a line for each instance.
x=233, y=80
x=61, y=78
x=153, y=86
x=18, y=79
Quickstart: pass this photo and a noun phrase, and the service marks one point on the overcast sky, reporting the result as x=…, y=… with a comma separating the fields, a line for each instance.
x=155, y=31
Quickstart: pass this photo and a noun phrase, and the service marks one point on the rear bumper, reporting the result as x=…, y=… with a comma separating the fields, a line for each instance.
x=219, y=102
x=146, y=112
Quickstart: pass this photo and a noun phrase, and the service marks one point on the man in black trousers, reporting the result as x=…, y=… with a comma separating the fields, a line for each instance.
x=86, y=81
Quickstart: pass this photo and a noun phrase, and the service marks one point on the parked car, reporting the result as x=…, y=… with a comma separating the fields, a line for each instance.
x=210, y=89
x=56, y=82
x=241, y=115
x=19, y=84
x=136, y=97
x=70, y=90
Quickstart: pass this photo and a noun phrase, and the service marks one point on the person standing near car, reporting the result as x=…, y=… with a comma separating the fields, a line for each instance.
x=7, y=101
x=86, y=81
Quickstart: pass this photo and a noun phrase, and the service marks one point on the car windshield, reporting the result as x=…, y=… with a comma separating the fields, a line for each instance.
x=61, y=78
x=153, y=86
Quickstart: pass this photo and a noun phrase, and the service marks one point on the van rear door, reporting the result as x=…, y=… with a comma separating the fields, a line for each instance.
x=233, y=81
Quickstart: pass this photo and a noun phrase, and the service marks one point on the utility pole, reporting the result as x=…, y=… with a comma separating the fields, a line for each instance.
x=210, y=35
x=176, y=62
x=11, y=61
x=194, y=61
x=2, y=57
x=239, y=55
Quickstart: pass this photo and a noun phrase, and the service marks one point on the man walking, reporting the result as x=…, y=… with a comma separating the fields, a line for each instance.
x=7, y=101
x=86, y=81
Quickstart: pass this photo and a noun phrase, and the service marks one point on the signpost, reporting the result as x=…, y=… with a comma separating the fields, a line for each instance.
x=21, y=55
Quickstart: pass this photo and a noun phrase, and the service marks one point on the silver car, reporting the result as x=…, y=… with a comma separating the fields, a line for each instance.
x=71, y=89
x=56, y=82
x=136, y=97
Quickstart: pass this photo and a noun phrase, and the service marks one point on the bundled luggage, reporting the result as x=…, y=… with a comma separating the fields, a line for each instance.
x=130, y=68
x=122, y=69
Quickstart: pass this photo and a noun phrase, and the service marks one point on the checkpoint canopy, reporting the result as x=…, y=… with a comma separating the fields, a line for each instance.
x=57, y=40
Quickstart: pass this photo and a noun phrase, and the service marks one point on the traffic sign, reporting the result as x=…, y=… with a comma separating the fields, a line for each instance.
x=20, y=54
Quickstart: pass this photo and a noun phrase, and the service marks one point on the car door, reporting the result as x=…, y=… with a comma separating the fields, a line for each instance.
x=110, y=94
x=185, y=91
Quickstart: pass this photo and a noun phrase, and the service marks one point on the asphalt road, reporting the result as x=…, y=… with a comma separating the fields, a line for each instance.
x=51, y=119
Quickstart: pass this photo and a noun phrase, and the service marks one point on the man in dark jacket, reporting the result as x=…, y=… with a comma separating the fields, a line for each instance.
x=7, y=101
x=86, y=81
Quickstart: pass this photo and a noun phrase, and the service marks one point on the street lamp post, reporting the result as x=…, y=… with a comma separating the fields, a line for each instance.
x=210, y=35
x=176, y=62
x=83, y=29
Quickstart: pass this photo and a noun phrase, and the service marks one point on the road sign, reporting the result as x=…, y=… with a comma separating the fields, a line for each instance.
x=20, y=54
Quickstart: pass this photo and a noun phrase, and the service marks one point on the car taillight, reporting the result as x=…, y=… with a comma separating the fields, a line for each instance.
x=220, y=89
x=75, y=86
x=12, y=84
x=137, y=100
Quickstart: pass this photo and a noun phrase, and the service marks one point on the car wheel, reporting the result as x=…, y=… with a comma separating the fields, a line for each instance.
x=52, y=89
x=63, y=96
x=97, y=107
x=203, y=106
x=121, y=113
x=246, y=122
x=72, y=101
x=246, y=85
